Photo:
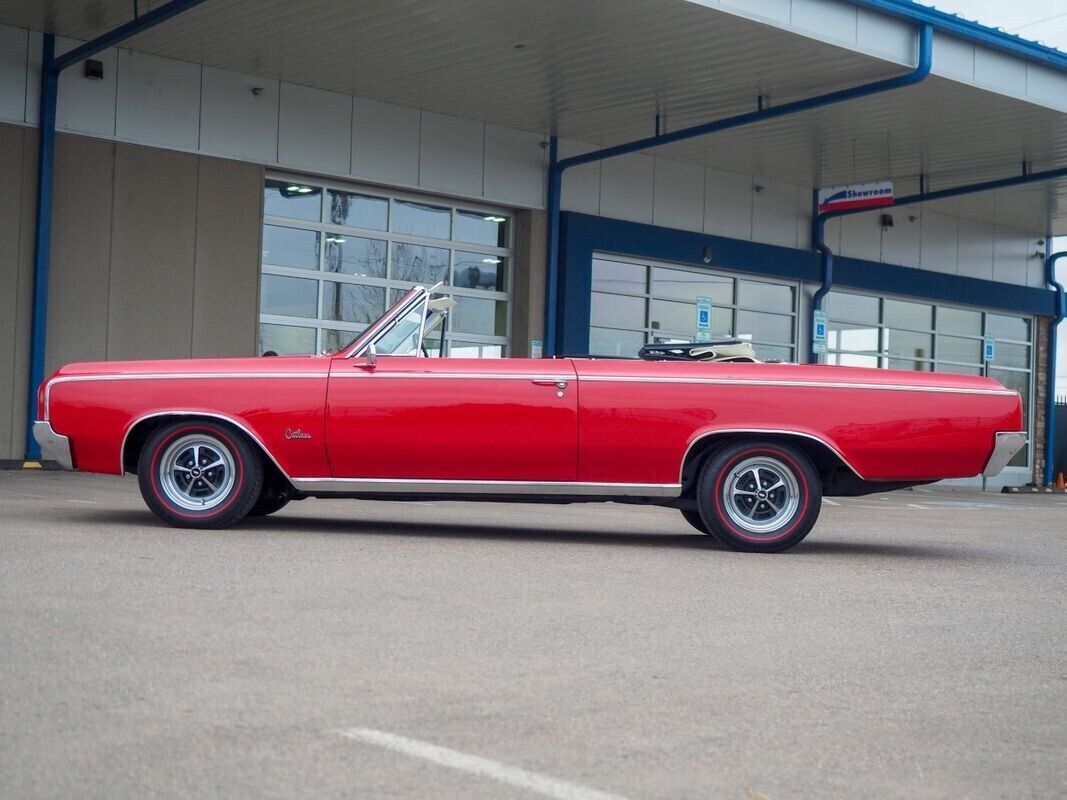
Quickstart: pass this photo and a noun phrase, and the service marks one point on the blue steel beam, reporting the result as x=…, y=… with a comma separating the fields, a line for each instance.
x=556, y=168
x=819, y=223
x=51, y=67
x=1050, y=389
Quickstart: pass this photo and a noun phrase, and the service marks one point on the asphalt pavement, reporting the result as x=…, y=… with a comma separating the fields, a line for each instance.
x=912, y=647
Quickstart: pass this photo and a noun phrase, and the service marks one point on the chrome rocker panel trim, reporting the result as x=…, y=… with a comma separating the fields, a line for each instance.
x=1007, y=444
x=463, y=487
x=54, y=446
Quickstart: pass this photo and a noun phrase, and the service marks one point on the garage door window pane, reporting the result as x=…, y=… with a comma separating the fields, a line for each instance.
x=335, y=340
x=354, y=255
x=770, y=352
x=764, y=327
x=473, y=315
x=292, y=199
x=479, y=271
x=916, y=316
x=350, y=302
x=457, y=349
x=1020, y=382
x=959, y=320
x=852, y=360
x=905, y=344
x=358, y=210
x=765, y=296
x=420, y=219
x=618, y=277
x=606, y=342
x=617, y=311
x=290, y=297
x=290, y=247
x=1013, y=328
x=953, y=348
x=286, y=340
x=480, y=227
x=419, y=264
x=666, y=315
x=844, y=336
x=691, y=285
x=853, y=308
x=1012, y=355
x=913, y=365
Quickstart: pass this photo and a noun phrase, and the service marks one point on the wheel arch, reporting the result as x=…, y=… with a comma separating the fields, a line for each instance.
x=827, y=459
x=138, y=432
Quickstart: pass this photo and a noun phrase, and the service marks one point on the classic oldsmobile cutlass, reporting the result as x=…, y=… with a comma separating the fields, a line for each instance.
x=745, y=451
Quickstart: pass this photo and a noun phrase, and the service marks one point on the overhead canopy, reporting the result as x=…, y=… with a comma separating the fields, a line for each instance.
x=599, y=71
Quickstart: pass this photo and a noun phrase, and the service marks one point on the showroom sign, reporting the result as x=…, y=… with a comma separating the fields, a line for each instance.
x=860, y=195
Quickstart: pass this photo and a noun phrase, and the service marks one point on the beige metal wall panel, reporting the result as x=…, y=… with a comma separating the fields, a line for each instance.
x=87, y=106
x=528, y=308
x=226, y=285
x=727, y=203
x=13, y=207
x=901, y=243
x=315, y=129
x=1009, y=255
x=626, y=185
x=774, y=212
x=385, y=142
x=940, y=240
x=158, y=101
x=153, y=238
x=515, y=163
x=451, y=154
x=81, y=251
x=581, y=185
x=976, y=249
x=239, y=116
x=678, y=200
x=12, y=73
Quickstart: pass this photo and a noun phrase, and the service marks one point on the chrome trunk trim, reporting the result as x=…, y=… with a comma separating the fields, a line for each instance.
x=54, y=446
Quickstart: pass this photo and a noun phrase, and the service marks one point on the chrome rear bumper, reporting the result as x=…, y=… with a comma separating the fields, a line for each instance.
x=1007, y=444
x=54, y=447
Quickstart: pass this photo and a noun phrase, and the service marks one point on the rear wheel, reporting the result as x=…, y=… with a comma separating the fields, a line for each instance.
x=761, y=497
x=198, y=474
x=692, y=516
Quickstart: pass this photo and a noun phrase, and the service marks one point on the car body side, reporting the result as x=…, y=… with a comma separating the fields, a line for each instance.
x=607, y=422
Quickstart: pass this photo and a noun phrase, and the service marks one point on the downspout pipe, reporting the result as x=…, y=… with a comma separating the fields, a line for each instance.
x=51, y=66
x=558, y=167
x=1061, y=312
x=819, y=223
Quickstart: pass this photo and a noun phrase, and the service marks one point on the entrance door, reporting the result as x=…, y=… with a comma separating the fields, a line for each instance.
x=452, y=419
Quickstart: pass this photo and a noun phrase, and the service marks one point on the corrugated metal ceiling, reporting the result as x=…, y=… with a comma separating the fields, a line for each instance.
x=599, y=71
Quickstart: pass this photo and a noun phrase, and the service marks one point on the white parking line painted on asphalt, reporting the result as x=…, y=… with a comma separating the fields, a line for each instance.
x=916, y=505
x=830, y=502
x=84, y=502
x=476, y=765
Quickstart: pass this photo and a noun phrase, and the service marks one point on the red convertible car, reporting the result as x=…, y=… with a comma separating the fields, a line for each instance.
x=745, y=451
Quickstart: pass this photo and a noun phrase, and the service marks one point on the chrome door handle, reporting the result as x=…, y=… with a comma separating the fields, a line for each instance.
x=550, y=382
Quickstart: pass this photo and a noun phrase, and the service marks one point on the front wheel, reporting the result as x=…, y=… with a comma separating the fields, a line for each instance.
x=759, y=497
x=198, y=474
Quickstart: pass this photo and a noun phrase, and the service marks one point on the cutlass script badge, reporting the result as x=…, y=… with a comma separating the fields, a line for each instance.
x=296, y=433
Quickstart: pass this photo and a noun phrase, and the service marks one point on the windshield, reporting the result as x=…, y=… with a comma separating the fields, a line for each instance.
x=407, y=328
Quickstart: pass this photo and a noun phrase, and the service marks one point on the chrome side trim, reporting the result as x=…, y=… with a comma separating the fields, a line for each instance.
x=151, y=376
x=1006, y=444
x=892, y=387
x=773, y=431
x=240, y=426
x=494, y=376
x=54, y=446
x=408, y=486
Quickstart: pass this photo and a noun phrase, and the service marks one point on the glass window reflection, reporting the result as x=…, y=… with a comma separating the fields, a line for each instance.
x=290, y=247
x=290, y=297
x=422, y=219
x=292, y=199
x=351, y=302
x=358, y=210
x=419, y=263
x=481, y=227
x=479, y=271
x=354, y=255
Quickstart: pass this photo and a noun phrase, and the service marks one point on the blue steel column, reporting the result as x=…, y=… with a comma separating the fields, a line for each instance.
x=42, y=239
x=555, y=186
x=919, y=73
x=1050, y=390
x=51, y=66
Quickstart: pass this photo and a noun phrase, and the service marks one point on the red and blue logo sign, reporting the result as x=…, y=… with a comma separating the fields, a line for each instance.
x=861, y=195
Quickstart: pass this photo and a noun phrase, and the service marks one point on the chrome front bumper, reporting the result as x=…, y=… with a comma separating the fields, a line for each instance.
x=1007, y=444
x=54, y=447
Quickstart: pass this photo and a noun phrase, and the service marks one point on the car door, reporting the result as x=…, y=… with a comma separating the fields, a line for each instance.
x=453, y=419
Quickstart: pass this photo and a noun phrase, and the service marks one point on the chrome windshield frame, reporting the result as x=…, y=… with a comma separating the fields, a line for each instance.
x=385, y=323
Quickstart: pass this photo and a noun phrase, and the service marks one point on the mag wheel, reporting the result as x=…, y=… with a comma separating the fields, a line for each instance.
x=199, y=475
x=759, y=496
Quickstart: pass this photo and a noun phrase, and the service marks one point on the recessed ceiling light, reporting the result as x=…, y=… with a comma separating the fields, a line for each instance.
x=494, y=218
x=304, y=189
x=292, y=188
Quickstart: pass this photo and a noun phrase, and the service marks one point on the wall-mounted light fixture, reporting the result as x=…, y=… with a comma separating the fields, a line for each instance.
x=887, y=221
x=94, y=70
x=705, y=254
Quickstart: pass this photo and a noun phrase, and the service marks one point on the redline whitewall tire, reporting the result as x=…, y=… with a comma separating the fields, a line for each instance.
x=759, y=497
x=199, y=474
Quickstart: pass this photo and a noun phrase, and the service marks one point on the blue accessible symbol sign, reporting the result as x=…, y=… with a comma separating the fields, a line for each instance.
x=703, y=313
x=989, y=348
x=818, y=332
